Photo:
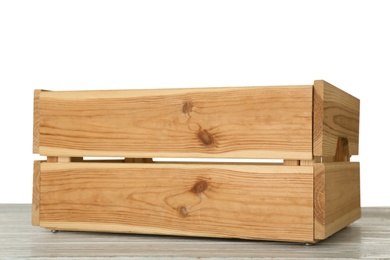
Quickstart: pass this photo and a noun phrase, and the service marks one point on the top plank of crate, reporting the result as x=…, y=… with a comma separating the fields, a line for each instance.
x=284, y=122
x=247, y=122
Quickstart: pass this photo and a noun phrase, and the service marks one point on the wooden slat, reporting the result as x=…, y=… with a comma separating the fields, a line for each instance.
x=55, y=159
x=336, y=114
x=36, y=122
x=342, y=151
x=138, y=160
x=337, y=196
x=238, y=201
x=306, y=162
x=64, y=159
x=252, y=122
x=291, y=162
x=367, y=238
x=36, y=193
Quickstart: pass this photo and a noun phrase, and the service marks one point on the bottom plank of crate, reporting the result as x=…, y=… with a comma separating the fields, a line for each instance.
x=229, y=201
x=234, y=201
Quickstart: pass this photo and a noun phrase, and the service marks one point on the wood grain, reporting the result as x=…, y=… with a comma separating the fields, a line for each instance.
x=337, y=196
x=291, y=162
x=342, y=151
x=36, y=122
x=305, y=199
x=336, y=114
x=367, y=238
x=36, y=193
x=234, y=201
x=252, y=122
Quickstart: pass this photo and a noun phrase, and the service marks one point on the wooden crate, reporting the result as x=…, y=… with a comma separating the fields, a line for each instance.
x=312, y=193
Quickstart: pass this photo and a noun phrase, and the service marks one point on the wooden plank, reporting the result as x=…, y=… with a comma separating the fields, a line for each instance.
x=252, y=122
x=64, y=159
x=306, y=162
x=342, y=151
x=336, y=114
x=234, y=201
x=36, y=193
x=291, y=162
x=36, y=123
x=55, y=159
x=367, y=238
x=337, y=196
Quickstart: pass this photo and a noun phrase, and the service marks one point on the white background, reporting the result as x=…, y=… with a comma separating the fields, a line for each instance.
x=66, y=45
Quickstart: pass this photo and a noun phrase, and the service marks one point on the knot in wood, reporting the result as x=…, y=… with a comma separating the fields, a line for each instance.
x=199, y=187
x=205, y=137
x=183, y=211
x=187, y=107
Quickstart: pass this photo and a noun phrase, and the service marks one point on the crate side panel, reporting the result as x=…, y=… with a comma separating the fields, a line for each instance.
x=253, y=122
x=336, y=114
x=337, y=197
x=36, y=194
x=251, y=202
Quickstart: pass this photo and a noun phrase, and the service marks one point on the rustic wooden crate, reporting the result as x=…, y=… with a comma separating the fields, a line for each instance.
x=310, y=195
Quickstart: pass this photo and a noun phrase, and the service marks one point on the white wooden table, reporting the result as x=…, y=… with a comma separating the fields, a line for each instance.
x=367, y=238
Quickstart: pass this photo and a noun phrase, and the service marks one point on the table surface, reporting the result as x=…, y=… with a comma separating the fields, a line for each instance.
x=368, y=237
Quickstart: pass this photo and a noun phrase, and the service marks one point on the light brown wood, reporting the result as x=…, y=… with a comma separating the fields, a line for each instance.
x=253, y=122
x=324, y=159
x=36, y=122
x=268, y=202
x=337, y=196
x=64, y=159
x=336, y=114
x=291, y=162
x=58, y=159
x=310, y=196
x=52, y=159
x=342, y=151
x=36, y=193
x=306, y=162
x=367, y=238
